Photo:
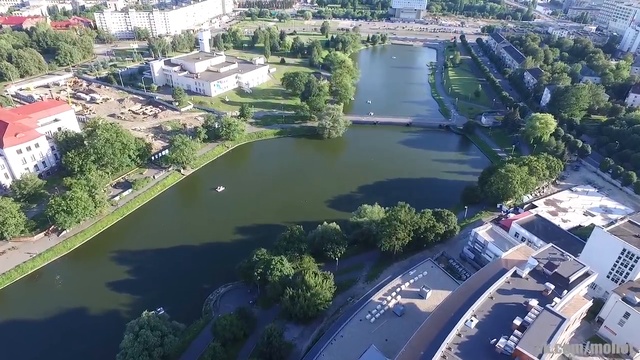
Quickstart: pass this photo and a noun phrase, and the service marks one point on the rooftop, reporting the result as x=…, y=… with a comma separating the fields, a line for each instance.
x=635, y=89
x=496, y=295
x=19, y=125
x=628, y=230
x=244, y=66
x=497, y=37
x=536, y=73
x=436, y=328
x=390, y=332
x=498, y=237
x=194, y=57
x=18, y=20
x=580, y=206
x=587, y=72
x=549, y=232
x=515, y=54
x=630, y=293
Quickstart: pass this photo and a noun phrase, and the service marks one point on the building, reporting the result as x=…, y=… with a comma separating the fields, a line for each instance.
x=590, y=12
x=635, y=67
x=633, y=99
x=408, y=9
x=588, y=75
x=547, y=220
x=630, y=40
x=514, y=306
x=512, y=57
x=20, y=22
x=496, y=41
x=208, y=73
x=614, y=252
x=161, y=22
x=547, y=94
x=26, y=132
x=617, y=15
x=71, y=23
x=532, y=77
x=621, y=316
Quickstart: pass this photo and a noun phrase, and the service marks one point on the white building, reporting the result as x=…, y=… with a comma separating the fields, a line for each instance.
x=635, y=67
x=408, y=9
x=26, y=144
x=614, y=252
x=512, y=57
x=621, y=316
x=630, y=40
x=159, y=22
x=633, y=99
x=547, y=93
x=208, y=73
x=617, y=16
x=559, y=32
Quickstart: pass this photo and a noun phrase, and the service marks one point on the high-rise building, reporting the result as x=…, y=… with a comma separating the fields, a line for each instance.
x=161, y=22
x=617, y=16
x=630, y=40
x=408, y=9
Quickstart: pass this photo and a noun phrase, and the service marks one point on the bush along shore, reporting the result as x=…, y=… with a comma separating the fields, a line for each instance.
x=103, y=223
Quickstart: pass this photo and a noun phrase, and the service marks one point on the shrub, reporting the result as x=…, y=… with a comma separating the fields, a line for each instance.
x=636, y=187
x=606, y=164
x=616, y=171
x=628, y=178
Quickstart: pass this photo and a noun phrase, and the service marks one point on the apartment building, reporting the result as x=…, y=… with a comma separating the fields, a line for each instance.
x=614, y=252
x=618, y=15
x=532, y=77
x=620, y=317
x=27, y=144
x=633, y=98
x=408, y=9
x=512, y=57
x=511, y=308
x=630, y=40
x=208, y=73
x=162, y=21
x=496, y=41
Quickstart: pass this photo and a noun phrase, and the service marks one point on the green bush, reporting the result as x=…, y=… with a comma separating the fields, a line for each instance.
x=628, y=178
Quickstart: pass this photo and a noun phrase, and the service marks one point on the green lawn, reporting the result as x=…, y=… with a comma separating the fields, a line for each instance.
x=461, y=83
x=502, y=138
x=583, y=232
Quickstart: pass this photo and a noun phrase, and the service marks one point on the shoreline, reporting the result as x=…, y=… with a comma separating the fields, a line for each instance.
x=66, y=246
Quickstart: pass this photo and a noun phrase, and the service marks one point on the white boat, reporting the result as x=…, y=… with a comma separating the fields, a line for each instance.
x=220, y=188
x=368, y=101
x=370, y=114
x=393, y=57
x=160, y=311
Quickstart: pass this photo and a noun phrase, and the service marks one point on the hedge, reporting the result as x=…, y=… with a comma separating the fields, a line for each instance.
x=103, y=223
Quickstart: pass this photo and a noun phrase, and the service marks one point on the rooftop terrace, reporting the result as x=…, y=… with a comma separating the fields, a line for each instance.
x=501, y=296
x=498, y=237
x=580, y=206
x=389, y=332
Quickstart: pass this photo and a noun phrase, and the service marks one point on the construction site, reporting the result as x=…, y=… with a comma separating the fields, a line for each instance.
x=144, y=117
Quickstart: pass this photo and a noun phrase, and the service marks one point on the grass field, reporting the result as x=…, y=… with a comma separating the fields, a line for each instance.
x=461, y=83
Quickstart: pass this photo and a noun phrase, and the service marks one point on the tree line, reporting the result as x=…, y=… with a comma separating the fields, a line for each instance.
x=41, y=49
x=290, y=275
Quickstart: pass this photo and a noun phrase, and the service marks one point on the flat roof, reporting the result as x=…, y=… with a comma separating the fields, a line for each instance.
x=630, y=292
x=549, y=232
x=436, y=328
x=46, y=79
x=628, y=230
x=580, y=206
x=195, y=57
x=498, y=237
x=389, y=333
x=496, y=311
x=541, y=332
x=244, y=66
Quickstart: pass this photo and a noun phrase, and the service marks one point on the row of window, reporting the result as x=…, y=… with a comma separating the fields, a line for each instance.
x=623, y=267
x=28, y=148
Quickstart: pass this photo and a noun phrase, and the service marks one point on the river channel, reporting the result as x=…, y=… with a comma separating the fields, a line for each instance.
x=176, y=249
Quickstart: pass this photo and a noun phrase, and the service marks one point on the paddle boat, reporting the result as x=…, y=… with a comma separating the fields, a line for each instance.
x=220, y=188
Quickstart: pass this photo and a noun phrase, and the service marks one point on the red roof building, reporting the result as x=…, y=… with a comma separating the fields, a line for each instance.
x=71, y=23
x=506, y=223
x=20, y=22
x=20, y=125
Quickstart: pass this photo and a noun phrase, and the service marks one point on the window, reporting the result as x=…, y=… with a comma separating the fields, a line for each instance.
x=626, y=315
x=28, y=148
x=36, y=168
x=33, y=158
x=6, y=176
x=2, y=166
x=44, y=164
x=593, y=286
x=19, y=151
x=36, y=145
x=24, y=161
x=56, y=157
x=27, y=170
x=524, y=239
x=516, y=235
x=53, y=148
x=622, y=322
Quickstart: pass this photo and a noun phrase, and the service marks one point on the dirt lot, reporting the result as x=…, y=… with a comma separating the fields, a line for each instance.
x=144, y=118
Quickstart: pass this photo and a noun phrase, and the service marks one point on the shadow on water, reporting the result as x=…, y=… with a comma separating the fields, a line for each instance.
x=17, y=340
x=415, y=191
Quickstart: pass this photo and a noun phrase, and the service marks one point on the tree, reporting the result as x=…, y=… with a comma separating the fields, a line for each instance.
x=224, y=129
x=283, y=16
x=342, y=86
x=540, y=126
x=246, y=112
x=616, y=171
x=428, y=229
x=94, y=183
x=332, y=123
x=267, y=46
x=179, y=95
x=272, y=344
x=471, y=195
x=28, y=189
x=606, y=164
x=70, y=208
x=293, y=241
x=397, y=228
x=152, y=336
x=13, y=222
x=449, y=221
x=182, y=151
x=315, y=95
x=636, y=187
x=8, y=72
x=628, y=178
x=325, y=28
x=295, y=82
x=307, y=15
x=509, y=182
x=584, y=150
x=365, y=223
x=230, y=329
x=328, y=240
x=215, y=351
x=310, y=293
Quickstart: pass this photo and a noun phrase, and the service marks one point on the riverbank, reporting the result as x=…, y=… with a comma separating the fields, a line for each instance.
x=52, y=250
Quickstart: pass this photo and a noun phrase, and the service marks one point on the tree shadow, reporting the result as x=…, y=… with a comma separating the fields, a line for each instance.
x=420, y=193
x=35, y=339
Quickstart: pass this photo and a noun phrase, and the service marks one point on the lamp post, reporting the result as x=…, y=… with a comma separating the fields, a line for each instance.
x=466, y=208
x=513, y=149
